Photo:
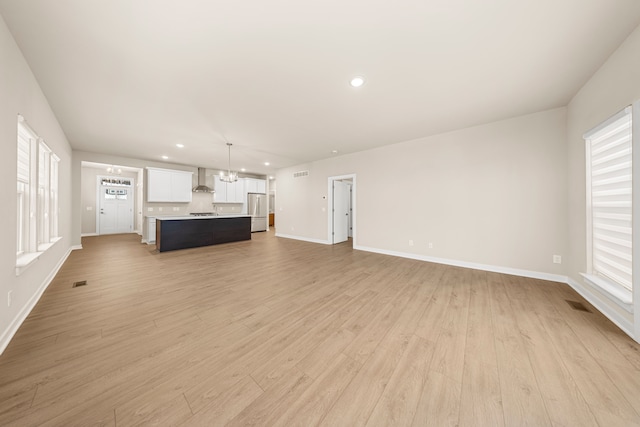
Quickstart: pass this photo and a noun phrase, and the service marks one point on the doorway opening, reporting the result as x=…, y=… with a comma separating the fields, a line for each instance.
x=342, y=209
x=112, y=199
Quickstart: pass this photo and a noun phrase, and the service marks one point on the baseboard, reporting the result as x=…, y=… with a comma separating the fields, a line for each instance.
x=485, y=267
x=89, y=234
x=619, y=320
x=615, y=317
x=76, y=247
x=304, y=239
x=9, y=333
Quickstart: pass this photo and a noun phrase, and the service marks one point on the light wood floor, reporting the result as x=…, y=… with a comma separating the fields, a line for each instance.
x=281, y=332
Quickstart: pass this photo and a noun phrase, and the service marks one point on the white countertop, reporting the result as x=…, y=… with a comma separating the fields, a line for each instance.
x=173, y=218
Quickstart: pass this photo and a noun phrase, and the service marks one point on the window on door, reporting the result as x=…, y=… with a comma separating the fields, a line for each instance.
x=609, y=206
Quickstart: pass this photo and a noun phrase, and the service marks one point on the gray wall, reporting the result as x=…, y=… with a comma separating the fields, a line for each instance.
x=89, y=197
x=22, y=95
x=614, y=86
x=493, y=195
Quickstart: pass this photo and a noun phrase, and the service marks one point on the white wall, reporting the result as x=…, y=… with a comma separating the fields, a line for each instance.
x=493, y=195
x=614, y=86
x=89, y=197
x=21, y=94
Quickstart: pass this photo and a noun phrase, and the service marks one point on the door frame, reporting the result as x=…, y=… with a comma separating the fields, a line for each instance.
x=133, y=188
x=331, y=179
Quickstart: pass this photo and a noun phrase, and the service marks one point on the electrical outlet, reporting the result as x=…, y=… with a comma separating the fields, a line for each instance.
x=410, y=242
x=9, y=295
x=430, y=245
x=160, y=209
x=89, y=208
x=176, y=209
x=557, y=259
x=150, y=209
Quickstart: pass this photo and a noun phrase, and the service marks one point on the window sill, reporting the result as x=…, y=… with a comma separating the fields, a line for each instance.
x=43, y=247
x=618, y=294
x=25, y=260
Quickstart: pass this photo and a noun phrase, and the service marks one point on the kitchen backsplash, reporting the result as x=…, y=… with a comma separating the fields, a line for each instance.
x=201, y=202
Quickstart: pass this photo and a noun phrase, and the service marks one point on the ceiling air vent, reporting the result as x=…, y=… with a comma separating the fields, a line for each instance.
x=300, y=174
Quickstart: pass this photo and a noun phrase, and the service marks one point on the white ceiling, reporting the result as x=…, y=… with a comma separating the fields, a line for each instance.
x=135, y=77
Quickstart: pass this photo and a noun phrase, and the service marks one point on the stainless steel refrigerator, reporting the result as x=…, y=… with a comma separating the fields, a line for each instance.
x=257, y=208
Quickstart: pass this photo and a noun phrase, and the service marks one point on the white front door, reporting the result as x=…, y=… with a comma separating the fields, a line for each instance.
x=116, y=210
x=341, y=196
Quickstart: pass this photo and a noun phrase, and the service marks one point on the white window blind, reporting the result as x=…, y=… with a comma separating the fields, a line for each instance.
x=26, y=145
x=609, y=193
x=53, y=230
x=37, y=213
x=44, y=181
x=24, y=155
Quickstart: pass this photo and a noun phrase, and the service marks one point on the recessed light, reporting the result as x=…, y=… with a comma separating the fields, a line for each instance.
x=267, y=163
x=243, y=170
x=357, y=81
x=165, y=157
x=334, y=151
x=180, y=145
x=270, y=177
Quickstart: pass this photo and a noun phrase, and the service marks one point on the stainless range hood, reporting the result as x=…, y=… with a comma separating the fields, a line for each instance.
x=202, y=187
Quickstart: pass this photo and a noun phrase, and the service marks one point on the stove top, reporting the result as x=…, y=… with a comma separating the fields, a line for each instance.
x=201, y=213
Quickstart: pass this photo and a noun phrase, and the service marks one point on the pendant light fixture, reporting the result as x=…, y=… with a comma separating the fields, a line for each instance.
x=229, y=176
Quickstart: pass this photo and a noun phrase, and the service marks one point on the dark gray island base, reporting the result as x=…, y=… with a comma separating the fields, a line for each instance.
x=187, y=232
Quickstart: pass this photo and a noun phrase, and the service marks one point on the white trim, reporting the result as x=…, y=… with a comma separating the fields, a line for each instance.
x=304, y=239
x=76, y=247
x=13, y=327
x=615, y=292
x=493, y=268
x=635, y=132
x=27, y=259
x=354, y=211
x=133, y=187
x=620, y=114
x=88, y=234
x=615, y=317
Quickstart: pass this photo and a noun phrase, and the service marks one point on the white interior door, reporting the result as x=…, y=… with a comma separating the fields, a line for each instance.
x=350, y=211
x=341, y=196
x=116, y=210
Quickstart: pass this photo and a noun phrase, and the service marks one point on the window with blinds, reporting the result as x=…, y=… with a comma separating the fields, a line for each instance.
x=609, y=200
x=26, y=145
x=37, y=196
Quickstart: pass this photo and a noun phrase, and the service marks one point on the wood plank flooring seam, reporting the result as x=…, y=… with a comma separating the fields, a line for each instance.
x=181, y=339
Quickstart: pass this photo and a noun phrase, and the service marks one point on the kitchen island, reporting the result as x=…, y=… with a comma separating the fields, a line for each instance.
x=182, y=232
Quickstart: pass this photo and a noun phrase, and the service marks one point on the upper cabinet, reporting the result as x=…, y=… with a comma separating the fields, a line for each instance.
x=253, y=185
x=229, y=192
x=165, y=185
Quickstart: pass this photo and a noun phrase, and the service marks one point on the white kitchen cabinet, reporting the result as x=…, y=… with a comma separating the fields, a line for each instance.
x=165, y=185
x=220, y=187
x=253, y=185
x=181, y=187
x=235, y=191
x=229, y=192
x=151, y=230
